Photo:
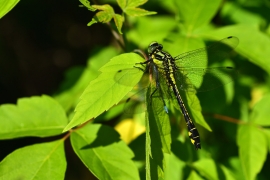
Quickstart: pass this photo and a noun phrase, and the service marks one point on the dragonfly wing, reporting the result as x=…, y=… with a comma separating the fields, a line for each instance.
x=136, y=103
x=190, y=79
x=213, y=53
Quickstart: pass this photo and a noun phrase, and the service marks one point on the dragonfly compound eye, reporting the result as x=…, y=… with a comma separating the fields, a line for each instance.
x=153, y=47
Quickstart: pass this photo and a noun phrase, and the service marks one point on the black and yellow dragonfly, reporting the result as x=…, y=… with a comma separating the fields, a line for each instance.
x=188, y=72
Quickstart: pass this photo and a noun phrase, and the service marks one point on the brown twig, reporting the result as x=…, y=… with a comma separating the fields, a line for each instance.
x=227, y=118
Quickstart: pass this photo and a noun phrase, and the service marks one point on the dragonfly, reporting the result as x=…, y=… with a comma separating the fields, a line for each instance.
x=188, y=72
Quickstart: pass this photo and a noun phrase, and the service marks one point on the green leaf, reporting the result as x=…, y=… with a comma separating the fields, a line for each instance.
x=86, y=3
x=69, y=98
x=157, y=134
x=260, y=112
x=211, y=170
x=122, y=3
x=173, y=163
x=39, y=161
x=194, y=176
x=240, y=14
x=131, y=7
x=235, y=165
x=105, y=14
x=106, y=91
x=195, y=14
x=148, y=152
x=132, y=11
x=195, y=109
x=6, y=6
x=135, y=3
x=159, y=121
x=254, y=47
x=159, y=26
x=119, y=20
x=253, y=148
x=100, y=149
x=267, y=134
x=35, y=116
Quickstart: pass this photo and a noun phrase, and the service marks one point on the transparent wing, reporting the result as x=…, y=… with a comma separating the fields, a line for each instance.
x=192, y=66
x=190, y=79
x=203, y=56
x=136, y=103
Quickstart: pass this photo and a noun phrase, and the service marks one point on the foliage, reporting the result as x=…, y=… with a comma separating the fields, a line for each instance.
x=6, y=6
x=236, y=113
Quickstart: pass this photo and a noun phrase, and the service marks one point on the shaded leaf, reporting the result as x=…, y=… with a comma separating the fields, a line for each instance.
x=100, y=149
x=39, y=161
x=194, y=14
x=34, y=116
x=158, y=137
x=239, y=14
x=254, y=47
x=196, y=110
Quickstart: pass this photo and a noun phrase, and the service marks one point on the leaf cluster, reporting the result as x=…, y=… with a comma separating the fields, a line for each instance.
x=233, y=120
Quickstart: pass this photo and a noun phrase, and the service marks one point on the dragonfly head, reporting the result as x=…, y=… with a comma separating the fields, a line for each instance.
x=154, y=46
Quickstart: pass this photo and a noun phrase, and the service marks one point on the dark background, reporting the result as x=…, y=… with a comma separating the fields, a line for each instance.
x=39, y=40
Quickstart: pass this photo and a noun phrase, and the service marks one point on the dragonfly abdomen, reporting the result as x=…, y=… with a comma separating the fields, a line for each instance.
x=192, y=131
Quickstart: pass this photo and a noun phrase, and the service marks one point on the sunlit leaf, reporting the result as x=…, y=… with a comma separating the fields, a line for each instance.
x=103, y=153
x=6, y=6
x=131, y=7
x=39, y=161
x=34, y=116
x=260, y=112
x=252, y=149
x=86, y=3
x=194, y=176
x=211, y=170
x=174, y=167
x=119, y=20
x=105, y=14
x=132, y=11
x=104, y=91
